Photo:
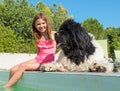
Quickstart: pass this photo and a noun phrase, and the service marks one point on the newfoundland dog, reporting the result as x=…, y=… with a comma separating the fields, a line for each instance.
x=79, y=52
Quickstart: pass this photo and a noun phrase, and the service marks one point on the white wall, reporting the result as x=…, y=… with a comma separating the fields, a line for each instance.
x=7, y=60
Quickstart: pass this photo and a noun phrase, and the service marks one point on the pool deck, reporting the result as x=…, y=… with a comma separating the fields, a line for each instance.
x=8, y=60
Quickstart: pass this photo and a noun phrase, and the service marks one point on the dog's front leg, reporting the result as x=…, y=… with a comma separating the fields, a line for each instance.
x=53, y=67
x=48, y=67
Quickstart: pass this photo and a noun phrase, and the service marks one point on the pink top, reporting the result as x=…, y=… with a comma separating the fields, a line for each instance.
x=46, y=51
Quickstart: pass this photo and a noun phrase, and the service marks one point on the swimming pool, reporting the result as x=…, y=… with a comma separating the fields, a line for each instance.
x=64, y=81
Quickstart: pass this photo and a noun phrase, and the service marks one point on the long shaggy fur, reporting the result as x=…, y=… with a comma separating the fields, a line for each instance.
x=79, y=51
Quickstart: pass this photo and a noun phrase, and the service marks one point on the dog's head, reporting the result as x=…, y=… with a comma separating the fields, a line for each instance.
x=74, y=41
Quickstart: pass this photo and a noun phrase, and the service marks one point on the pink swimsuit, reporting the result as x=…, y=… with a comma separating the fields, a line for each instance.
x=46, y=51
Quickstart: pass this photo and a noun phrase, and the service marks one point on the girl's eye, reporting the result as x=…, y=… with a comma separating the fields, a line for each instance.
x=38, y=24
x=43, y=23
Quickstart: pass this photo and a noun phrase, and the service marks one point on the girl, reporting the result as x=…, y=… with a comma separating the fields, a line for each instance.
x=44, y=39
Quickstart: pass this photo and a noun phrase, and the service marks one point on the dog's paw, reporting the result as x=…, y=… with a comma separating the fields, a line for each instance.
x=95, y=67
x=53, y=67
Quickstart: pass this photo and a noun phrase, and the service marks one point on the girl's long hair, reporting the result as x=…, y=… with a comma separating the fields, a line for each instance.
x=37, y=35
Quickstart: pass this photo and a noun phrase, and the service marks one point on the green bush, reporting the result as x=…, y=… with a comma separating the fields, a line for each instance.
x=10, y=42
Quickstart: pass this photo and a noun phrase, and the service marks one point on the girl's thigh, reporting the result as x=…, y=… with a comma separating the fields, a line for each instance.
x=31, y=65
x=28, y=65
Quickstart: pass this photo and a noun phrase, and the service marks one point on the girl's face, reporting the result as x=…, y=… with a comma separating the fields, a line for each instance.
x=41, y=25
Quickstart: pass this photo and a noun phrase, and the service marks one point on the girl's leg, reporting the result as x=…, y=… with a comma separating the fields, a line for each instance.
x=30, y=65
x=15, y=68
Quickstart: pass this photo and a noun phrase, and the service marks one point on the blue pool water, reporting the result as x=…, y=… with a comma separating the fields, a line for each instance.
x=17, y=88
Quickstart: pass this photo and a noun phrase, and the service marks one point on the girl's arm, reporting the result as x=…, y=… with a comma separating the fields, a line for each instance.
x=53, y=36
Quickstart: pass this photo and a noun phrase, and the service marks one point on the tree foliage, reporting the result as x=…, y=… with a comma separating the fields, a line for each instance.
x=93, y=26
x=59, y=15
x=113, y=35
x=18, y=16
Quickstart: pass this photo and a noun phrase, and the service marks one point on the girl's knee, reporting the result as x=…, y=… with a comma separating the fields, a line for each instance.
x=12, y=70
